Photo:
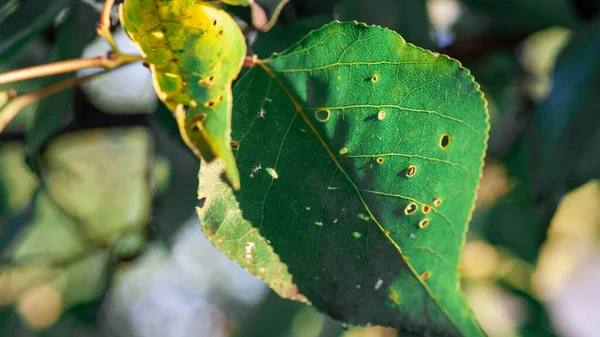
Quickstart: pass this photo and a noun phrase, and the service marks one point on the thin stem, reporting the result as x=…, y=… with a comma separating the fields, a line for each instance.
x=103, y=28
x=19, y=103
x=66, y=67
x=258, y=11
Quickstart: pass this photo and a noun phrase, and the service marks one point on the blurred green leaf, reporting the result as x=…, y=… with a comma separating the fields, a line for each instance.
x=407, y=17
x=525, y=16
x=333, y=168
x=272, y=318
x=17, y=183
x=566, y=136
x=53, y=112
x=21, y=20
x=284, y=35
x=176, y=204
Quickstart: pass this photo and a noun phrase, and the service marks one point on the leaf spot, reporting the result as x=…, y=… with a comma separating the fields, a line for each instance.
x=380, y=160
x=410, y=208
x=437, y=201
x=356, y=235
x=158, y=35
x=381, y=115
x=374, y=79
x=426, y=275
x=412, y=169
x=322, y=115
x=344, y=151
x=426, y=209
x=444, y=141
x=423, y=223
x=272, y=172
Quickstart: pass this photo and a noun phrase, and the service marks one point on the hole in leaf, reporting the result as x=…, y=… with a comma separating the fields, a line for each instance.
x=322, y=115
x=410, y=209
x=445, y=141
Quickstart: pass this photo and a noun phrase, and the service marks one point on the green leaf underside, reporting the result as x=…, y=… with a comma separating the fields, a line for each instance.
x=194, y=51
x=328, y=132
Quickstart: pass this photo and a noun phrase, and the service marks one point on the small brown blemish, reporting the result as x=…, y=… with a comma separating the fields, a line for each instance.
x=426, y=209
x=411, y=170
x=423, y=223
x=234, y=144
x=380, y=160
x=221, y=97
x=437, y=202
x=410, y=208
x=221, y=32
x=209, y=104
x=207, y=82
x=214, y=23
x=175, y=60
x=198, y=118
x=426, y=275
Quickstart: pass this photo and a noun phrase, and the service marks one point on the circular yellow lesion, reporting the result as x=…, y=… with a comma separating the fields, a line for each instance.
x=374, y=78
x=380, y=160
x=344, y=151
x=423, y=223
x=445, y=141
x=410, y=208
x=381, y=115
x=411, y=170
x=322, y=115
x=437, y=201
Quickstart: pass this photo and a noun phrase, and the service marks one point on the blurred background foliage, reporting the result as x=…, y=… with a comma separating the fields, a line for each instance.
x=98, y=235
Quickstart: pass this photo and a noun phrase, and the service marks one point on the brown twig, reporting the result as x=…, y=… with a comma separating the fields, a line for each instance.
x=17, y=104
x=103, y=28
x=258, y=16
x=66, y=67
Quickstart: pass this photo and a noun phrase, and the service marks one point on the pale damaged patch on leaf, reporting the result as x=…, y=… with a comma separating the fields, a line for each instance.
x=221, y=219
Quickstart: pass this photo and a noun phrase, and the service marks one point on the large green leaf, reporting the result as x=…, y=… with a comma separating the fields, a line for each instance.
x=360, y=156
x=566, y=132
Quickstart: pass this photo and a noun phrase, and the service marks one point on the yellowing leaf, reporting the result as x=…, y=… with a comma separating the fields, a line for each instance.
x=194, y=51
